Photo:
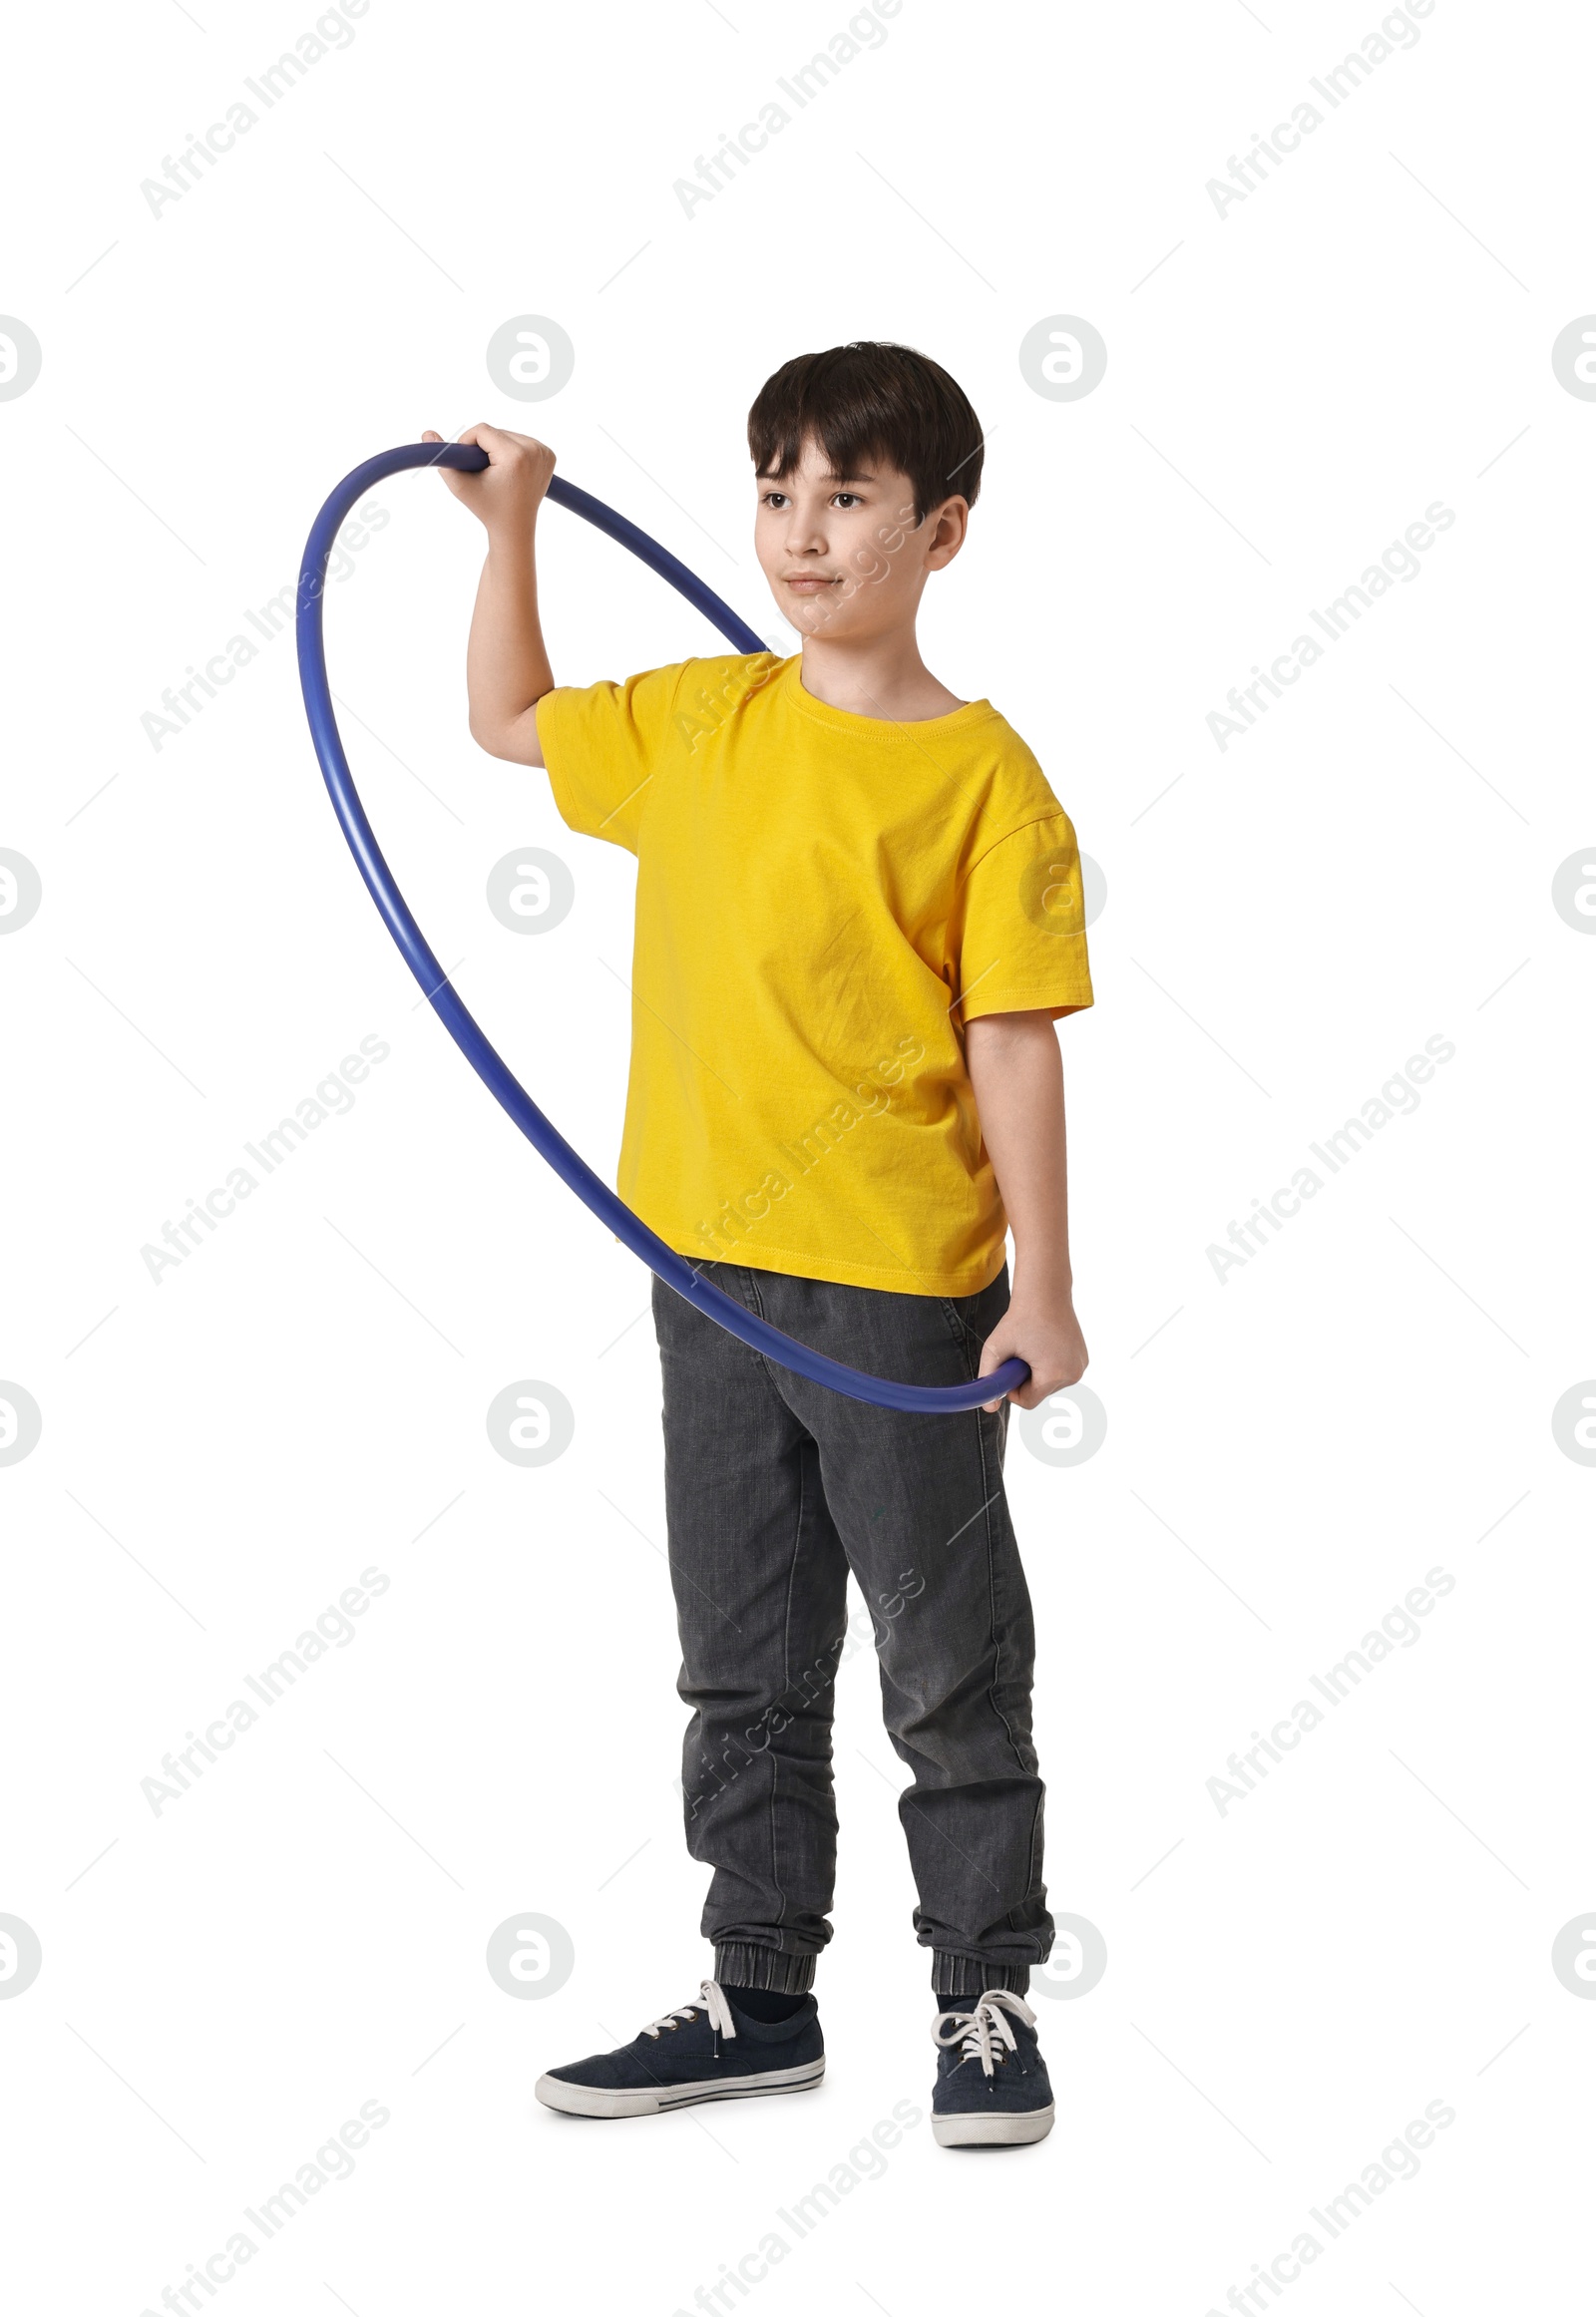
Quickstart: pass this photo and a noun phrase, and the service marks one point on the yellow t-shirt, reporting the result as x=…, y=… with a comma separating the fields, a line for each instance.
x=823, y=899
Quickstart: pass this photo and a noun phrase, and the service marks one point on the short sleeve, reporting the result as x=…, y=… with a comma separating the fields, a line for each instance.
x=601, y=745
x=1019, y=927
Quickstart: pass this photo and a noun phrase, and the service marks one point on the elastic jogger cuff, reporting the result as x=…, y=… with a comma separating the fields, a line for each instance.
x=963, y=1977
x=737, y=1965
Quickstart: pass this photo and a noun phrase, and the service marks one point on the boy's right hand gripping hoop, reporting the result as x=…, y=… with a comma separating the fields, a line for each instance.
x=673, y=1269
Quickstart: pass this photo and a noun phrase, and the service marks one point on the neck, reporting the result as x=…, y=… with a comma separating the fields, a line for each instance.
x=877, y=675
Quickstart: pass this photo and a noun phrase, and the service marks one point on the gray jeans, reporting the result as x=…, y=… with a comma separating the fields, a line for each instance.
x=775, y=1488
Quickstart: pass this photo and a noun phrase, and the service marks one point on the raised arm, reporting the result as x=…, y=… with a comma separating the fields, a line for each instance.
x=1019, y=1082
x=507, y=663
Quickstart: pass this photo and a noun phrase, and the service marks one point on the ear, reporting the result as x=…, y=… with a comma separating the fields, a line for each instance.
x=950, y=528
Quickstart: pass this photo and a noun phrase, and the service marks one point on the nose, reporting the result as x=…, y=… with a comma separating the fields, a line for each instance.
x=806, y=534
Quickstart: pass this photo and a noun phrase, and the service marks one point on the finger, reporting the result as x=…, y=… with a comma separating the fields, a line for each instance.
x=432, y=435
x=991, y=1356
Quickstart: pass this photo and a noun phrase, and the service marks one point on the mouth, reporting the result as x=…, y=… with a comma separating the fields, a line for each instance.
x=807, y=583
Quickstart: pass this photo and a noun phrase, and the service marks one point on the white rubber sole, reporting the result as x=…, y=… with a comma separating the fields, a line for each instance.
x=585, y=2099
x=991, y=2132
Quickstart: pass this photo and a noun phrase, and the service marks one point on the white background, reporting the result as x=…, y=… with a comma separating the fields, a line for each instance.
x=1288, y=386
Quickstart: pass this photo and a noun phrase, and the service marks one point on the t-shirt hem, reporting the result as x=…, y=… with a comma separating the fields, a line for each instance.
x=1052, y=1000
x=967, y=1281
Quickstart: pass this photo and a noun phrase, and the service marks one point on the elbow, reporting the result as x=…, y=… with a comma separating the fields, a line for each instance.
x=513, y=743
x=490, y=738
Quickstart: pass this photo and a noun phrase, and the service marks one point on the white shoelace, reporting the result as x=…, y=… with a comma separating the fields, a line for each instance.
x=711, y=1999
x=984, y=2031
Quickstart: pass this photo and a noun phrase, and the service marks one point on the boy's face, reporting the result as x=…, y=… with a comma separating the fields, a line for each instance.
x=844, y=556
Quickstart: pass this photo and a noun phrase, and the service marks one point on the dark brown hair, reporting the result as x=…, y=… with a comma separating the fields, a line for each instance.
x=869, y=400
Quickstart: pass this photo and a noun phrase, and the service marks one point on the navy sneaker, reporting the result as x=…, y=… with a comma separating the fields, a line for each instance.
x=991, y=2081
x=704, y=2050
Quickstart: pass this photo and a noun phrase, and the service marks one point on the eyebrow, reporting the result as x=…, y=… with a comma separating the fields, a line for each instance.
x=829, y=476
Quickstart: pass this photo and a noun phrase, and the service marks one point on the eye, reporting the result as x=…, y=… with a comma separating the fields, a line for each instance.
x=847, y=498
x=773, y=498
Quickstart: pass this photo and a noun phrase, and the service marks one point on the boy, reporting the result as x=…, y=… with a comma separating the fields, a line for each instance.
x=857, y=918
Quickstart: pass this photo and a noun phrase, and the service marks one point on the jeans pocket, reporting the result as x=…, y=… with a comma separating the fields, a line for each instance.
x=956, y=1313
x=972, y=1318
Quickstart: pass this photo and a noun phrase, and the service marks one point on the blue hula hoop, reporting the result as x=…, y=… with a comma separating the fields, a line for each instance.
x=676, y=1272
